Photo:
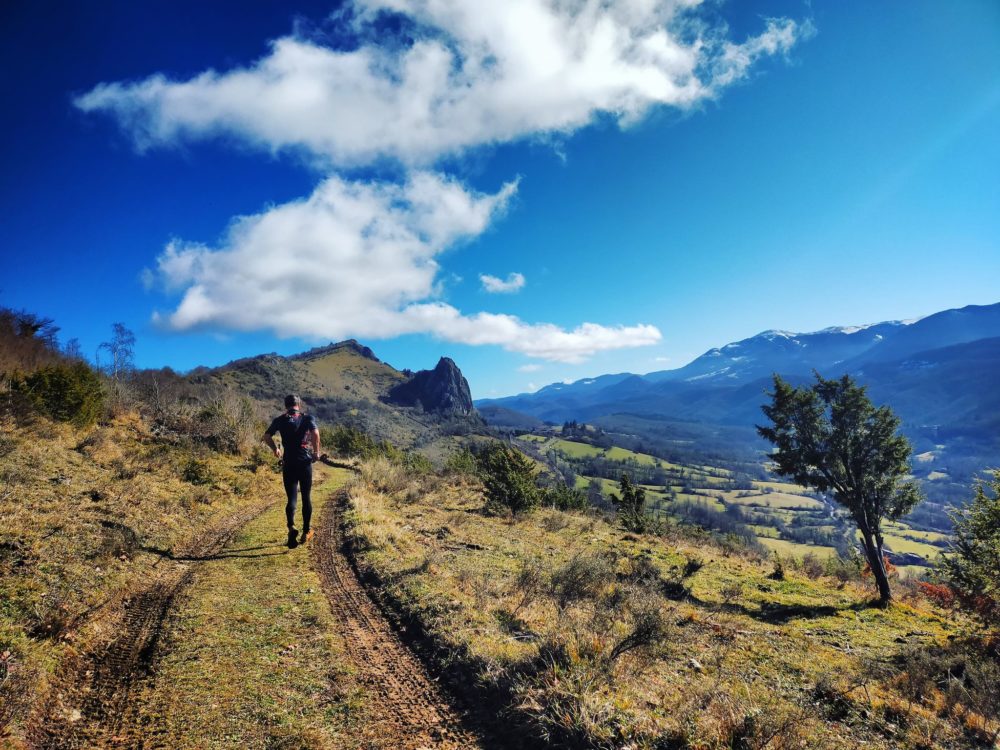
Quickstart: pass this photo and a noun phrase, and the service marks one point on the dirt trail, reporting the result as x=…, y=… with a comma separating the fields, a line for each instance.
x=409, y=709
x=92, y=705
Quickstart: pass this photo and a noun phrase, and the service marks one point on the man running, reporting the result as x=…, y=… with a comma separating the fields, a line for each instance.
x=299, y=449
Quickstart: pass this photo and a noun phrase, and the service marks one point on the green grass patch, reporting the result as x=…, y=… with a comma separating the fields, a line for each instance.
x=532, y=438
x=793, y=549
x=573, y=449
x=255, y=657
x=899, y=543
x=779, y=500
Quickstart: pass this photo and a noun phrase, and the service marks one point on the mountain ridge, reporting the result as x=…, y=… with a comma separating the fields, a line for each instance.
x=875, y=336
x=346, y=383
x=935, y=372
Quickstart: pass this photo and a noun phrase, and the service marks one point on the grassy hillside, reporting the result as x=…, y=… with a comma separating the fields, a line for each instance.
x=343, y=384
x=599, y=638
x=739, y=498
x=89, y=519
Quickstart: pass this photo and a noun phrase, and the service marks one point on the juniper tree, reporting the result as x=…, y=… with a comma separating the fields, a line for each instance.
x=831, y=437
x=972, y=565
x=631, y=505
x=508, y=478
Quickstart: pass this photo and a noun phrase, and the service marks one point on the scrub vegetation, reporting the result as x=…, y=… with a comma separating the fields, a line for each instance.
x=594, y=635
x=587, y=594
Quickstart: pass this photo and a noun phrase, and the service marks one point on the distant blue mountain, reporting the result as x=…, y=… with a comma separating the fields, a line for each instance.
x=938, y=373
x=782, y=351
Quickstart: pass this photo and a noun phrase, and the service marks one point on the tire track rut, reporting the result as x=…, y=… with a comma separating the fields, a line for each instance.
x=409, y=708
x=93, y=703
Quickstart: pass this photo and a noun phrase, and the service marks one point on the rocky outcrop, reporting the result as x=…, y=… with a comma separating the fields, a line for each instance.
x=443, y=390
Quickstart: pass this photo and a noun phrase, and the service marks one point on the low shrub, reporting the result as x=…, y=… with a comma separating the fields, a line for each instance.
x=528, y=584
x=564, y=497
x=383, y=475
x=349, y=442
x=778, y=571
x=584, y=577
x=731, y=591
x=966, y=674
x=416, y=463
x=649, y=629
x=508, y=478
x=812, y=566
x=229, y=423
x=67, y=392
x=461, y=462
x=845, y=569
x=197, y=471
x=555, y=521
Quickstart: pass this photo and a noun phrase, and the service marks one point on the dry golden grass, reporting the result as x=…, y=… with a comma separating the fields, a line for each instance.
x=255, y=658
x=84, y=518
x=607, y=639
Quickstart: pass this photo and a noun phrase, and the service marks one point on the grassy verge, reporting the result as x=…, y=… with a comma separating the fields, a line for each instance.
x=85, y=519
x=605, y=639
x=253, y=658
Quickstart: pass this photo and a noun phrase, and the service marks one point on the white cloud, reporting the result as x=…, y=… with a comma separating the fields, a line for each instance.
x=359, y=259
x=476, y=73
x=529, y=368
x=495, y=285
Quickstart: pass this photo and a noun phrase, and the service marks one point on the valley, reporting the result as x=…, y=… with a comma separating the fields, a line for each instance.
x=936, y=372
x=150, y=599
x=728, y=498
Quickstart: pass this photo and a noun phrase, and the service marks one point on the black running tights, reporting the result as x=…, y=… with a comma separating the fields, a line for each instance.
x=298, y=476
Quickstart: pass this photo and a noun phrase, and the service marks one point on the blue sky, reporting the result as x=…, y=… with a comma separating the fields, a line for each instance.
x=810, y=165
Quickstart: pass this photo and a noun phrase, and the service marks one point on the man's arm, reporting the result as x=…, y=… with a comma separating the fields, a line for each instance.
x=269, y=439
x=314, y=436
x=269, y=442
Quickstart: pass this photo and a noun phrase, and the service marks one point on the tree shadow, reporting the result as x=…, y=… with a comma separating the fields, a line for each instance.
x=774, y=613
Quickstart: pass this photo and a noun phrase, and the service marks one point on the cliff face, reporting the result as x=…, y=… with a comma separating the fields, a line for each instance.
x=346, y=384
x=443, y=390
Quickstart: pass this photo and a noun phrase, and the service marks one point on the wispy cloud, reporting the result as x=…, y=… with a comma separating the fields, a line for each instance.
x=477, y=73
x=363, y=264
x=529, y=368
x=495, y=285
x=360, y=258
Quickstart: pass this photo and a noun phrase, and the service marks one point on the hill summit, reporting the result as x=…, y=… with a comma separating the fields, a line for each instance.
x=346, y=383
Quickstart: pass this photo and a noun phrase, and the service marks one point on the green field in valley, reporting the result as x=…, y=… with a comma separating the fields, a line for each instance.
x=778, y=516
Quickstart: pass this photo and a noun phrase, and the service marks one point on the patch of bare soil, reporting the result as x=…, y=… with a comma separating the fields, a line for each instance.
x=410, y=709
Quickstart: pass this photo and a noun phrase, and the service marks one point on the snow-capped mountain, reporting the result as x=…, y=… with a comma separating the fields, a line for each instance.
x=781, y=351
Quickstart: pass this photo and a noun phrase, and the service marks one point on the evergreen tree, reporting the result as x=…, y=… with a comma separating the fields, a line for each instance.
x=831, y=437
x=972, y=566
x=631, y=505
x=509, y=479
